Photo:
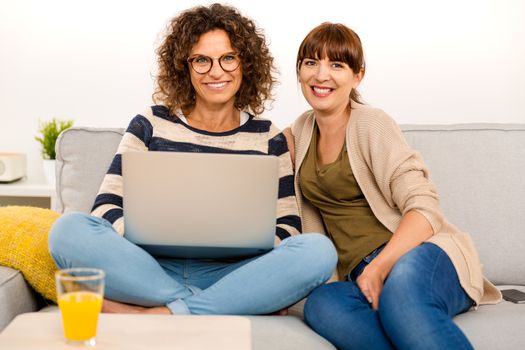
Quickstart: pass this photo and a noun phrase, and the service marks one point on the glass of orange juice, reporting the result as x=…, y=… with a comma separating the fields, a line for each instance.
x=80, y=292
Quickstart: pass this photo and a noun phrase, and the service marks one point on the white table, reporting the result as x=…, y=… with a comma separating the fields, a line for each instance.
x=29, y=188
x=43, y=331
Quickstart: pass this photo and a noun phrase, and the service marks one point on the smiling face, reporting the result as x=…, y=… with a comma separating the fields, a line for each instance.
x=327, y=84
x=216, y=87
x=330, y=65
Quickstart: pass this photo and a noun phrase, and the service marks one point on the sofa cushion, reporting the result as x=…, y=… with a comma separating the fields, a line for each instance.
x=478, y=171
x=495, y=326
x=23, y=245
x=83, y=158
x=16, y=296
x=284, y=333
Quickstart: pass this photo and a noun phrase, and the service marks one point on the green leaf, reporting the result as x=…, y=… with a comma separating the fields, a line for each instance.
x=49, y=132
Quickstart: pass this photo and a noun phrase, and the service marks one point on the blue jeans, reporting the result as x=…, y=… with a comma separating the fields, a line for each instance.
x=257, y=285
x=419, y=298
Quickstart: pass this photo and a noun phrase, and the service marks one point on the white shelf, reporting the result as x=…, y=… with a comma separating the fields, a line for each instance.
x=29, y=188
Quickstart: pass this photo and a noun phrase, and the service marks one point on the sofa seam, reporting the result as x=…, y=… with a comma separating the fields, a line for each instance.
x=465, y=129
x=452, y=128
x=10, y=278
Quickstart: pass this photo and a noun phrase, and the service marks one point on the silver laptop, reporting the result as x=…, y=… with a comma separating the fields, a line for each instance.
x=200, y=205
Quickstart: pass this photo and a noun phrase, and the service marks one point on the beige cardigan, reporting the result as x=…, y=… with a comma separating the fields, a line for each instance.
x=394, y=180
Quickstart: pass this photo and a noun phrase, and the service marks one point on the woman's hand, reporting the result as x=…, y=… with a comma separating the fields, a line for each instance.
x=290, y=141
x=282, y=312
x=371, y=283
x=413, y=229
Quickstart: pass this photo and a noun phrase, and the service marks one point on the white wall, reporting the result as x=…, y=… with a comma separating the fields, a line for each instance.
x=448, y=61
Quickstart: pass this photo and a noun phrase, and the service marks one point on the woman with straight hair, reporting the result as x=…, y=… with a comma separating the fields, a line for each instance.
x=404, y=270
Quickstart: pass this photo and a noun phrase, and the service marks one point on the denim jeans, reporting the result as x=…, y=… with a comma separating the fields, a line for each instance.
x=257, y=285
x=419, y=298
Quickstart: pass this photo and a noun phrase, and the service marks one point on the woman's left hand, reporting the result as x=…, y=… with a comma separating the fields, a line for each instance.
x=371, y=283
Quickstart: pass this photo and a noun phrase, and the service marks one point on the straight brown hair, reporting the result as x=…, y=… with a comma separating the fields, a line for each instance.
x=336, y=42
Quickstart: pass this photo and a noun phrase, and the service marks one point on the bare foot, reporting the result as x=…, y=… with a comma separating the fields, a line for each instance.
x=114, y=307
x=159, y=310
x=282, y=312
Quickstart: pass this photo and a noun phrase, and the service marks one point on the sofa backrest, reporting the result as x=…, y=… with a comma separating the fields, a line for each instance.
x=83, y=156
x=477, y=169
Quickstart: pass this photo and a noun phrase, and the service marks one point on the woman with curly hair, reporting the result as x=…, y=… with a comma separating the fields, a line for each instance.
x=215, y=73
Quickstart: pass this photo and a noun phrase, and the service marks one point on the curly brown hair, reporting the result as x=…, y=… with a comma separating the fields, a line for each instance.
x=174, y=88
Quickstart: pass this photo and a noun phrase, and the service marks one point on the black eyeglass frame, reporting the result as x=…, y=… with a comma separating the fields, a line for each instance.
x=191, y=59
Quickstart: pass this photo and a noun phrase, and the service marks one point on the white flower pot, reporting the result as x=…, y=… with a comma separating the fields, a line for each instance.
x=49, y=170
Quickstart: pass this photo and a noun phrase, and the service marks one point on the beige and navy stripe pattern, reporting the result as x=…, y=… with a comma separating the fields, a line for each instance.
x=157, y=130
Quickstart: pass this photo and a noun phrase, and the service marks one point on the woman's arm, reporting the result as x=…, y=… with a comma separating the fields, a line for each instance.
x=413, y=229
x=109, y=200
x=401, y=177
x=288, y=220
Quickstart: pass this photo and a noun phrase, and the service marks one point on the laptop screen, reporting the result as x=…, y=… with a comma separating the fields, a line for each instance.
x=202, y=205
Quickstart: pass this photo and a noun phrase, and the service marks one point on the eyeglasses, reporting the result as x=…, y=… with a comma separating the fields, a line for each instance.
x=202, y=64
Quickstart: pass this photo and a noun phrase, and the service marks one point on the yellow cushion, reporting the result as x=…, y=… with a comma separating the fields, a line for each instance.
x=23, y=246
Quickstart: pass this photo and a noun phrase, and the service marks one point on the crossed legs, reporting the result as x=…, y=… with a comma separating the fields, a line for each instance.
x=258, y=285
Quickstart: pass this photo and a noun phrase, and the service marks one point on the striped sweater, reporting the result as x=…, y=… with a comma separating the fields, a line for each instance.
x=158, y=130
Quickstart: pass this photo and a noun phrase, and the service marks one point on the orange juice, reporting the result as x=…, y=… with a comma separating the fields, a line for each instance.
x=80, y=312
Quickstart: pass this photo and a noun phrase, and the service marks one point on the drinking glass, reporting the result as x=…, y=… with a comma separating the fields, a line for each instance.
x=80, y=292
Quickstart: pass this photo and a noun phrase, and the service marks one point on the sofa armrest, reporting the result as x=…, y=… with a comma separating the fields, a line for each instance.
x=16, y=296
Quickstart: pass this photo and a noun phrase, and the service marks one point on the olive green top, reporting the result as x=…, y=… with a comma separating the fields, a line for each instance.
x=394, y=181
x=346, y=214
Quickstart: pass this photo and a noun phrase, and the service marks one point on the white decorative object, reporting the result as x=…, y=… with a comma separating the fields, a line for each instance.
x=49, y=170
x=12, y=166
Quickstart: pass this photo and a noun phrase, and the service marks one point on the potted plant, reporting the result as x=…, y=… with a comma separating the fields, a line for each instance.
x=49, y=132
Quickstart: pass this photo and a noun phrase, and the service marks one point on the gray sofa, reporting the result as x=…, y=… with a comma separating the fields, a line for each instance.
x=478, y=170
